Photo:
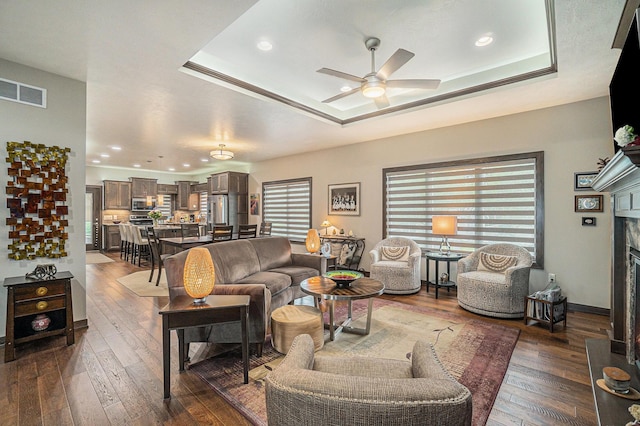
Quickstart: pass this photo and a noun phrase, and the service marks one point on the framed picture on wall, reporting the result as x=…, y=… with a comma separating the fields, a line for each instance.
x=582, y=181
x=588, y=203
x=254, y=204
x=344, y=199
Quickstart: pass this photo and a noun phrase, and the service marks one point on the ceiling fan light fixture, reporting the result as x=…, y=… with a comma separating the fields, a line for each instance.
x=373, y=89
x=221, y=154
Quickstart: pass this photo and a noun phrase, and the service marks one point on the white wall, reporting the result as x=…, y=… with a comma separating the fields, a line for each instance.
x=62, y=123
x=572, y=137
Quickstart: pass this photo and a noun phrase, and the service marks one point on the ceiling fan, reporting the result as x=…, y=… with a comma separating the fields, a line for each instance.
x=374, y=84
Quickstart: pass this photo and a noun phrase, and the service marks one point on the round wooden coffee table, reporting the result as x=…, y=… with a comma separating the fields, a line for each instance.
x=325, y=288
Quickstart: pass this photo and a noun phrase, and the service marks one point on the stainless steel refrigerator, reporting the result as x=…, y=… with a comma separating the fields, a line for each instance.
x=218, y=210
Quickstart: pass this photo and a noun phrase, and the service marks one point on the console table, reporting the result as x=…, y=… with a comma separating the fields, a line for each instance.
x=354, y=243
x=28, y=298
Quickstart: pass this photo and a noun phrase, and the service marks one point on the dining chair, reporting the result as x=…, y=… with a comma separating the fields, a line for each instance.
x=130, y=245
x=247, y=231
x=157, y=258
x=265, y=229
x=141, y=245
x=222, y=233
x=123, y=239
x=190, y=230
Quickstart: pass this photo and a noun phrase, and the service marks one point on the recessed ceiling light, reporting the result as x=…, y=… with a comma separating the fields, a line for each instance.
x=345, y=89
x=186, y=165
x=116, y=148
x=264, y=45
x=104, y=155
x=96, y=161
x=484, y=40
x=136, y=165
x=171, y=169
x=204, y=160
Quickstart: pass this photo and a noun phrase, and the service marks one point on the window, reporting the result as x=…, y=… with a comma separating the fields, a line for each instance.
x=287, y=205
x=164, y=204
x=496, y=199
x=203, y=206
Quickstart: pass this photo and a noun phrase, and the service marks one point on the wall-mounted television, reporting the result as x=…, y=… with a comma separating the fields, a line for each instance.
x=624, y=89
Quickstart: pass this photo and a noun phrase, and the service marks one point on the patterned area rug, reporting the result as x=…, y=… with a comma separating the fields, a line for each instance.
x=475, y=352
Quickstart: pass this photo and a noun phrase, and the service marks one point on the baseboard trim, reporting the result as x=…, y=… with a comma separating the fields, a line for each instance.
x=76, y=326
x=575, y=307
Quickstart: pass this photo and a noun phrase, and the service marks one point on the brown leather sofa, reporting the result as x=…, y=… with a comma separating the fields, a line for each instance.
x=263, y=268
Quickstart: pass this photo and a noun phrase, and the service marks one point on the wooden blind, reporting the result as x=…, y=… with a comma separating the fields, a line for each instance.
x=287, y=205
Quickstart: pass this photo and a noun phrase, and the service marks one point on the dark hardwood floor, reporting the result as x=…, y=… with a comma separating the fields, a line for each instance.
x=113, y=374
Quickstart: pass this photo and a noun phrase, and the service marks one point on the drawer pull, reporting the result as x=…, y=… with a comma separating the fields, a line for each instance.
x=41, y=291
x=41, y=305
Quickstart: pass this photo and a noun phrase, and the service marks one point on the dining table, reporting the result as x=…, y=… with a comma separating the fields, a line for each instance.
x=184, y=243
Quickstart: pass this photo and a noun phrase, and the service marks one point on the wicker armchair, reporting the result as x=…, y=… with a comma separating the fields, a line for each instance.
x=398, y=276
x=494, y=280
x=310, y=390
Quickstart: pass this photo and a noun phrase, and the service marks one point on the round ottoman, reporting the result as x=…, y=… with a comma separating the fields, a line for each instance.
x=291, y=320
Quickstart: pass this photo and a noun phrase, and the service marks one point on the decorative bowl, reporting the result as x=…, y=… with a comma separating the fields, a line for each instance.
x=117, y=222
x=343, y=278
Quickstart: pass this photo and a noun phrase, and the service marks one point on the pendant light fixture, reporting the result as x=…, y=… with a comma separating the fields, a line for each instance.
x=221, y=154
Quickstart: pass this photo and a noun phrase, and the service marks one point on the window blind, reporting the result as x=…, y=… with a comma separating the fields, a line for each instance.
x=166, y=206
x=495, y=200
x=287, y=205
x=203, y=205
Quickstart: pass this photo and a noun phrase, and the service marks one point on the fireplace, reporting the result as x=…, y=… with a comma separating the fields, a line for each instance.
x=634, y=319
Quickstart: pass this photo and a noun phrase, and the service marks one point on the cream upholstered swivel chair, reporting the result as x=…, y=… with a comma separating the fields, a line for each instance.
x=316, y=390
x=494, y=280
x=395, y=262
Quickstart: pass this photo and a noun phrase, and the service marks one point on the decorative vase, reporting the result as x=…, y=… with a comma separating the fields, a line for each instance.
x=40, y=322
x=155, y=222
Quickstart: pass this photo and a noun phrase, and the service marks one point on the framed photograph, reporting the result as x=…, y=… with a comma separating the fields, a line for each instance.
x=588, y=203
x=582, y=180
x=344, y=199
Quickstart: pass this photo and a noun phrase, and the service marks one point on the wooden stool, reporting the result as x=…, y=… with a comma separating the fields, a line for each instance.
x=291, y=320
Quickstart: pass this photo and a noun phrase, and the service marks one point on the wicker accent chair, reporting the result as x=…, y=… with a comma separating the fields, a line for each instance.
x=316, y=390
x=398, y=276
x=494, y=280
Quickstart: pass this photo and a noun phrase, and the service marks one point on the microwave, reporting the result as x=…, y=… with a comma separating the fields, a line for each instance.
x=143, y=204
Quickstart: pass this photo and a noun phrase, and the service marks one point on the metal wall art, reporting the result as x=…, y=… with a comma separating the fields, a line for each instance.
x=36, y=199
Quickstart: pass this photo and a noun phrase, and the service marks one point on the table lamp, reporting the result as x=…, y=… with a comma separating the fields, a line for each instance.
x=199, y=274
x=313, y=241
x=326, y=224
x=444, y=226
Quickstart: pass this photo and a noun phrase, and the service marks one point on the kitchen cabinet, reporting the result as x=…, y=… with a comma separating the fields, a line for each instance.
x=228, y=183
x=111, y=237
x=199, y=187
x=143, y=187
x=184, y=200
x=117, y=195
x=167, y=189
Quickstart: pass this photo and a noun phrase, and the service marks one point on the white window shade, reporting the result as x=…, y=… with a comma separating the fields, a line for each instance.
x=287, y=205
x=499, y=199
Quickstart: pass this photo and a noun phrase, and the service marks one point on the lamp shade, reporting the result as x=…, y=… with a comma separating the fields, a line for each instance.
x=444, y=225
x=326, y=224
x=199, y=274
x=313, y=241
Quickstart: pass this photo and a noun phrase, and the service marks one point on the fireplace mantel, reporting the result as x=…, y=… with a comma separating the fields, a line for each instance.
x=621, y=172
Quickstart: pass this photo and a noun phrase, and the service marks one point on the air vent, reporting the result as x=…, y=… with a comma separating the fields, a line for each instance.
x=23, y=93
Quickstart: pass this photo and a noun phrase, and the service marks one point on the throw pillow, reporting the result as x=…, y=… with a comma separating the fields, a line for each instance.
x=397, y=254
x=496, y=262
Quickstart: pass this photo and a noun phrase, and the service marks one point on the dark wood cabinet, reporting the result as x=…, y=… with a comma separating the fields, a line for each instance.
x=167, y=189
x=111, y=237
x=183, y=201
x=29, y=298
x=117, y=195
x=143, y=187
x=219, y=183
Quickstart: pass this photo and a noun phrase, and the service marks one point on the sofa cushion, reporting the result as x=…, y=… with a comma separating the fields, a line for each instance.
x=233, y=260
x=297, y=273
x=272, y=252
x=274, y=281
x=485, y=276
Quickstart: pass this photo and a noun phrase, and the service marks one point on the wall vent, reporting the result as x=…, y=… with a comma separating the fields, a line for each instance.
x=23, y=93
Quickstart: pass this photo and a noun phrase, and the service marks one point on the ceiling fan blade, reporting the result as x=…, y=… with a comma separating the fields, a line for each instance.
x=413, y=84
x=341, y=95
x=398, y=59
x=340, y=74
x=381, y=101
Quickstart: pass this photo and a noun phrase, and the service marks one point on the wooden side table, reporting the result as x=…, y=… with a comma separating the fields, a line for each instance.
x=544, y=311
x=182, y=313
x=437, y=258
x=28, y=298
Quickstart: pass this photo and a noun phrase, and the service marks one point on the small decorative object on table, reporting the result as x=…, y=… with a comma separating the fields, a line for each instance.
x=343, y=278
x=40, y=322
x=444, y=277
x=155, y=215
x=326, y=249
x=617, y=382
x=634, y=410
x=626, y=136
x=47, y=270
